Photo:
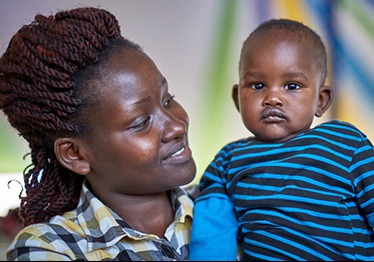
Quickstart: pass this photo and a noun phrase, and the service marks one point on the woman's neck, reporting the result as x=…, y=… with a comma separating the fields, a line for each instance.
x=151, y=214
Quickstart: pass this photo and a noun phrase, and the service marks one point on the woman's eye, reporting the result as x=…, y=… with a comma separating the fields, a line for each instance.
x=141, y=123
x=257, y=86
x=168, y=101
x=292, y=86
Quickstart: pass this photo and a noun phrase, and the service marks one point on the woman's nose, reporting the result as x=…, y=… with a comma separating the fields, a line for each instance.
x=175, y=126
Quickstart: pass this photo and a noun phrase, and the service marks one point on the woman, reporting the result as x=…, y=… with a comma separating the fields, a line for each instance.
x=108, y=143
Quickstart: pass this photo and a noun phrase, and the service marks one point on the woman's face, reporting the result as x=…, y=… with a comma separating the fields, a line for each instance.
x=139, y=143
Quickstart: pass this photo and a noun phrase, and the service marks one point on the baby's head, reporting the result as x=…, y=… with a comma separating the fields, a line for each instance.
x=282, y=73
x=300, y=32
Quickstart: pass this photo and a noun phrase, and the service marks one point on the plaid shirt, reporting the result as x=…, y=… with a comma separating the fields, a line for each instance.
x=94, y=232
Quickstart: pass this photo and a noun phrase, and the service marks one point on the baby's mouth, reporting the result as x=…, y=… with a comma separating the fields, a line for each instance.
x=271, y=115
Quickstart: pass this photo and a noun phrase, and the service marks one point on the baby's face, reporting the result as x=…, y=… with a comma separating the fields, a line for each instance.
x=279, y=87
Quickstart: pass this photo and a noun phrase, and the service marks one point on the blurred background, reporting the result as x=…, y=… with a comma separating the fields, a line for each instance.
x=196, y=45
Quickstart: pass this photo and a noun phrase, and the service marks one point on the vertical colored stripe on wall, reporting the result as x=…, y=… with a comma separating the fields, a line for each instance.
x=217, y=90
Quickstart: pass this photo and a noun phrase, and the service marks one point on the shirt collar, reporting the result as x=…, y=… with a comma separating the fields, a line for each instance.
x=102, y=226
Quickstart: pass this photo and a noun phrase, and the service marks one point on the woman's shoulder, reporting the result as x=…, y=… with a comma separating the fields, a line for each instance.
x=41, y=240
x=49, y=231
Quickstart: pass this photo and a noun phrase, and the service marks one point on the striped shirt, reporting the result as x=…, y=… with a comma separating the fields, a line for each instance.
x=310, y=198
x=94, y=232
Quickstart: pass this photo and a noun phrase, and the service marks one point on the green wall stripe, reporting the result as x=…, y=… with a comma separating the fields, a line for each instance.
x=217, y=89
x=362, y=15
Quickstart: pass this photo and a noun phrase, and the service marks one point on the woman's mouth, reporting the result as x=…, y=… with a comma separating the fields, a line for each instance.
x=181, y=155
x=179, y=152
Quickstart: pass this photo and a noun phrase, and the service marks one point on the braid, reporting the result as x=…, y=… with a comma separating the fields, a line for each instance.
x=38, y=96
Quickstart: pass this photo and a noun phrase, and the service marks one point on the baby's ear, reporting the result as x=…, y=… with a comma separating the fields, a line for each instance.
x=235, y=96
x=324, y=100
x=69, y=152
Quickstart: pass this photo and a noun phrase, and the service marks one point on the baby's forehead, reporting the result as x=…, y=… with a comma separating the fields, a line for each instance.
x=280, y=34
x=292, y=32
x=275, y=39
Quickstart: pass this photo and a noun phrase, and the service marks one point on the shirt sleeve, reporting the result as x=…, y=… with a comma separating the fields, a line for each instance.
x=214, y=230
x=36, y=243
x=214, y=225
x=363, y=178
x=35, y=254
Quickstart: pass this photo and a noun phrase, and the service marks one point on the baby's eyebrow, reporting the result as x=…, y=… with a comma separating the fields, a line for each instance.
x=296, y=74
x=252, y=74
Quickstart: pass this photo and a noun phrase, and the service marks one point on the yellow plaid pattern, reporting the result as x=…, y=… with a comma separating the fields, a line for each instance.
x=94, y=232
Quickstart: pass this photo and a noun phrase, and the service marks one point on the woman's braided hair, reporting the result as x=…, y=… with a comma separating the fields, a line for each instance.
x=41, y=95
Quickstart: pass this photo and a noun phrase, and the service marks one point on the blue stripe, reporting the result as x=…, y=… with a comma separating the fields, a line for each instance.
x=268, y=258
x=367, y=203
x=341, y=125
x=361, y=163
x=302, y=190
x=322, y=241
x=365, y=190
x=279, y=197
x=302, y=223
x=289, y=242
x=289, y=149
x=343, y=146
x=303, y=179
x=345, y=136
x=320, y=171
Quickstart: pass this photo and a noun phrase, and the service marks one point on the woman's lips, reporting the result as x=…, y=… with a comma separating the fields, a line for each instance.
x=179, y=152
x=181, y=155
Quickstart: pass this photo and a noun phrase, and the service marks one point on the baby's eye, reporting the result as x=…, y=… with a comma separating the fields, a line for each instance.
x=168, y=100
x=292, y=86
x=258, y=86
